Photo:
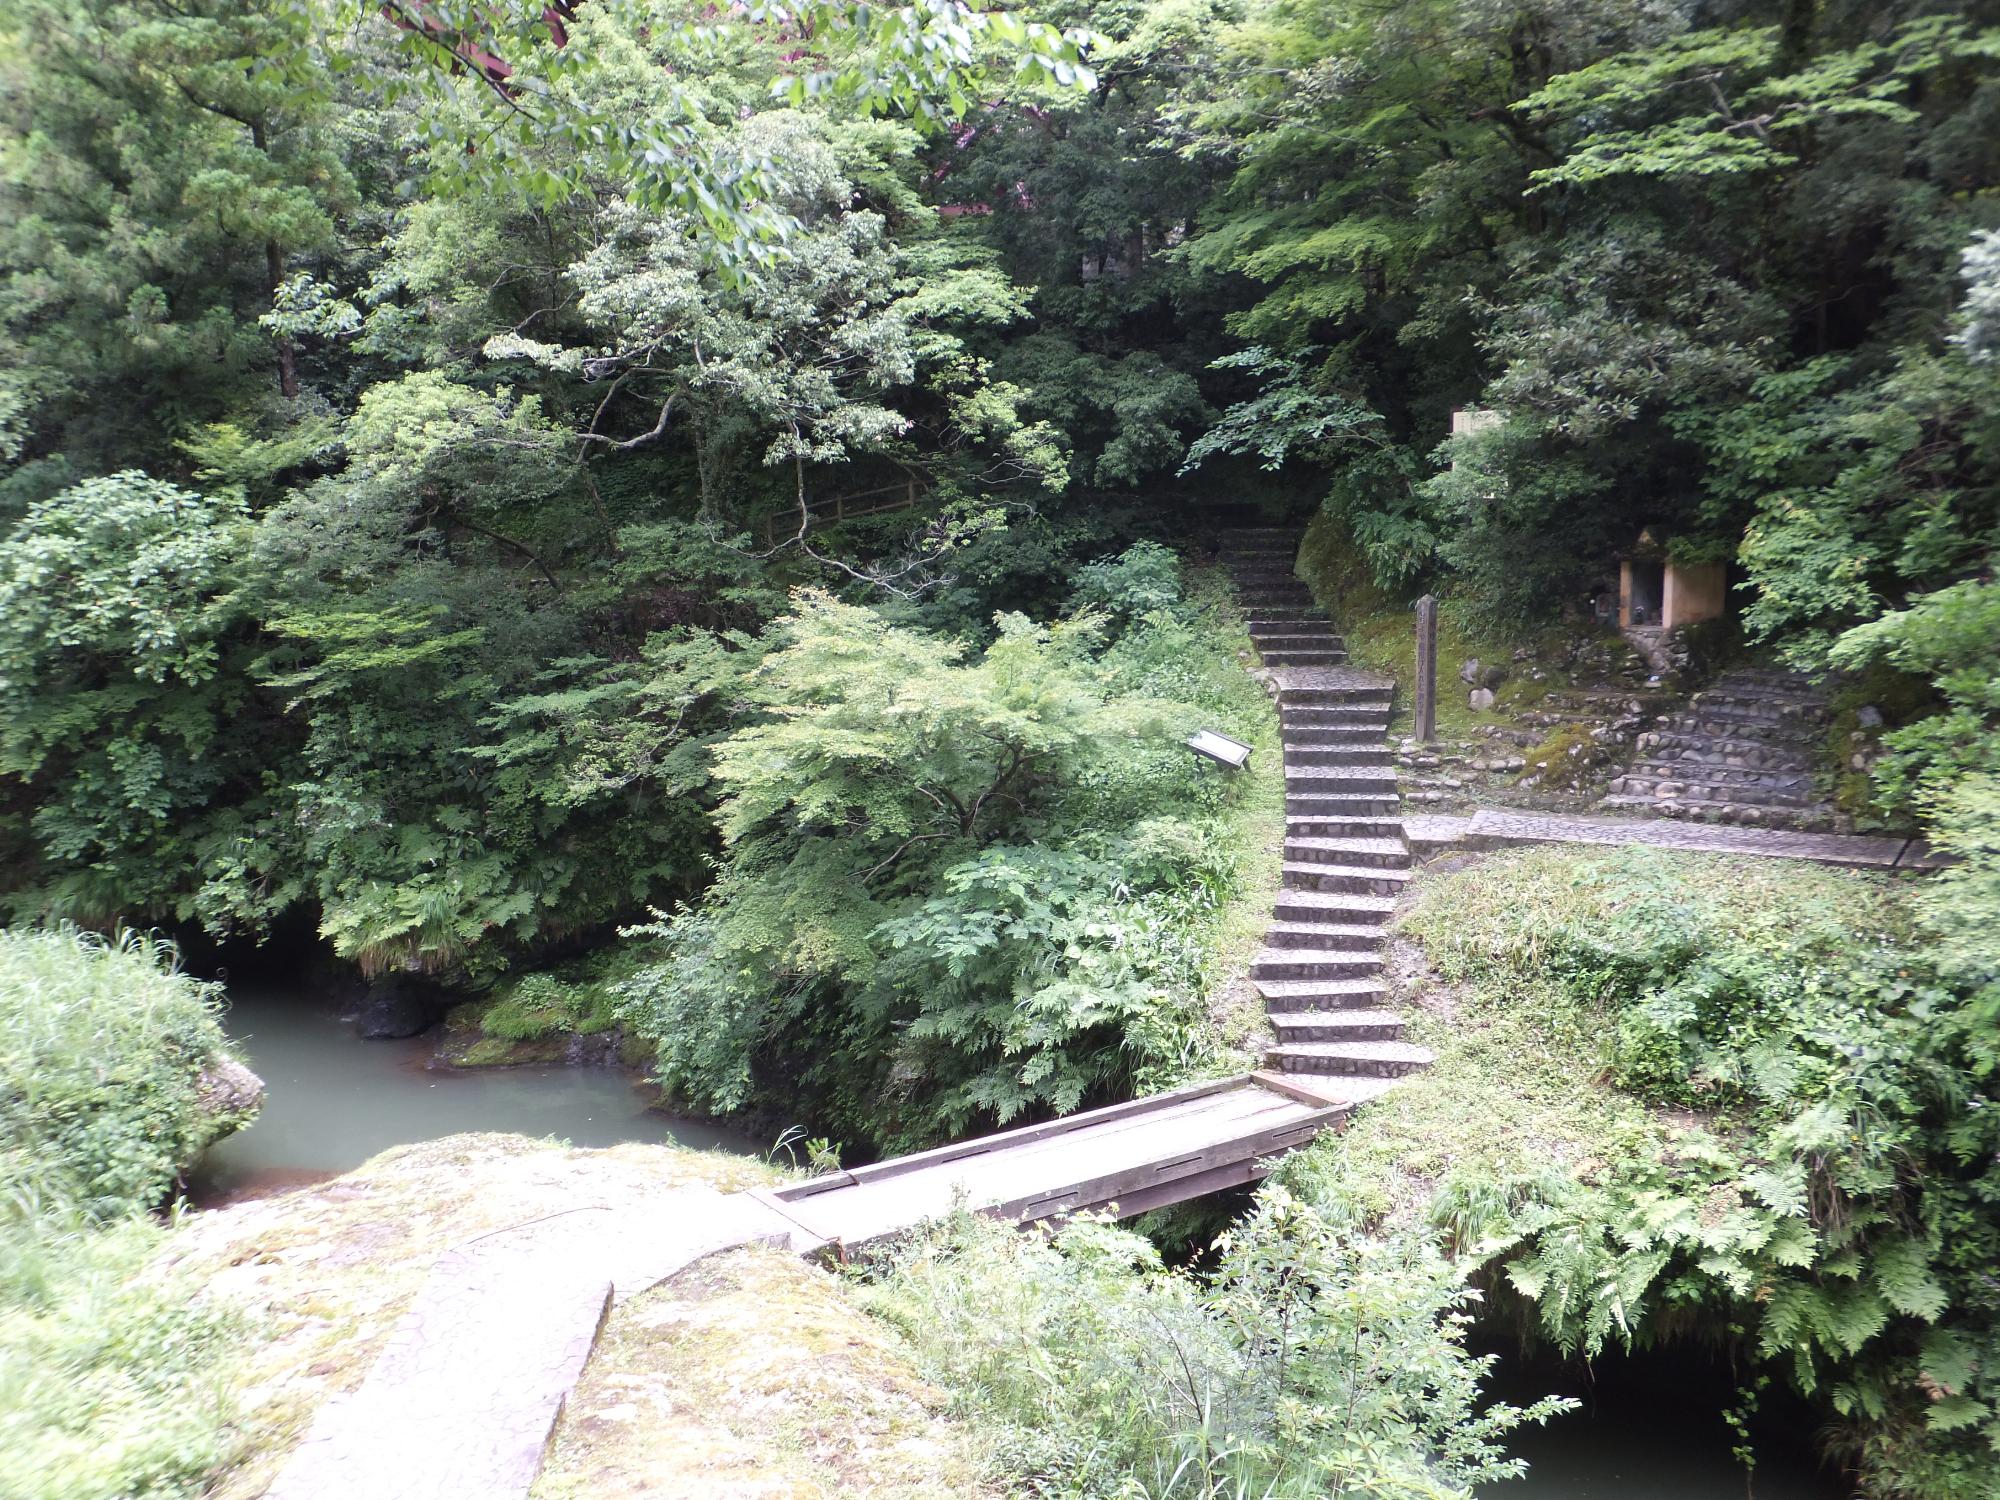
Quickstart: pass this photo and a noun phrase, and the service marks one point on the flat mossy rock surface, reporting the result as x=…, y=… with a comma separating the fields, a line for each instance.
x=751, y=1374
x=325, y=1272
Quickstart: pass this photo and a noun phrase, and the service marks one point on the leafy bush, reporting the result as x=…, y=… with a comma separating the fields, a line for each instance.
x=1312, y=1363
x=104, y=1053
x=956, y=887
x=1141, y=580
x=1828, y=1210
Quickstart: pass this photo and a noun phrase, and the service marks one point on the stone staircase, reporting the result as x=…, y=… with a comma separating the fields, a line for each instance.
x=1743, y=751
x=1320, y=971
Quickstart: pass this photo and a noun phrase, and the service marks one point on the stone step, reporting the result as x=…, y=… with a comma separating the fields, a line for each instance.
x=1345, y=1092
x=1705, y=789
x=1322, y=779
x=1291, y=658
x=1769, y=677
x=1318, y=805
x=1315, y=963
x=1295, y=1026
x=1721, y=725
x=1300, y=905
x=1600, y=702
x=1771, y=777
x=1366, y=1059
x=1306, y=736
x=1757, y=709
x=1282, y=996
x=1286, y=617
x=1377, y=754
x=1370, y=718
x=1365, y=827
x=1296, y=637
x=1712, y=749
x=1356, y=696
x=1312, y=875
x=1816, y=818
x=1318, y=935
x=1385, y=854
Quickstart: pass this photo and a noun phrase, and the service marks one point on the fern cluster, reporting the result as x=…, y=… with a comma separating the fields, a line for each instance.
x=1824, y=1198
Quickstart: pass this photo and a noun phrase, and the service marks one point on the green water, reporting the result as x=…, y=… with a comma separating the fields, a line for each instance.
x=1651, y=1428
x=333, y=1100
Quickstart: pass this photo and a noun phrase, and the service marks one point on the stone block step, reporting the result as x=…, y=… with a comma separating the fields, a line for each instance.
x=1340, y=779
x=1295, y=639
x=1366, y=1059
x=1305, y=736
x=1391, y=854
x=1298, y=904
x=1315, y=963
x=1315, y=805
x=1363, y=826
x=1372, y=723
x=1372, y=717
x=1310, y=658
x=1358, y=935
x=1282, y=996
x=1285, y=617
x=1377, y=754
x=1295, y=1026
x=1311, y=875
x=1355, y=696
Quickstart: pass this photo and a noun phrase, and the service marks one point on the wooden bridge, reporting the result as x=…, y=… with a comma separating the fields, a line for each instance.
x=1125, y=1159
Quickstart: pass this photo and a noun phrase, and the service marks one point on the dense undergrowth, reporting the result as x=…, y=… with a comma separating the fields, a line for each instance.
x=116, y=1381
x=1679, y=1097
x=1307, y=1361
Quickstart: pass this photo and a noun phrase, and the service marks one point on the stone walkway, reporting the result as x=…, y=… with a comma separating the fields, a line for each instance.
x=462, y=1402
x=1500, y=828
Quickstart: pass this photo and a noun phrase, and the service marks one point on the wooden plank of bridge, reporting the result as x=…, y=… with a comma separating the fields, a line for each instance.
x=1150, y=1152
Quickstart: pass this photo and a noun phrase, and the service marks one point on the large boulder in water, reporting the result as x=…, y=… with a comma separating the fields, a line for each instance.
x=397, y=1008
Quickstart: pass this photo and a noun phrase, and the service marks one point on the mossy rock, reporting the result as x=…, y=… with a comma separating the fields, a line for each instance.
x=1566, y=761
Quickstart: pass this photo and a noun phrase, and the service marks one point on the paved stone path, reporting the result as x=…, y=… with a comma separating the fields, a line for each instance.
x=1497, y=828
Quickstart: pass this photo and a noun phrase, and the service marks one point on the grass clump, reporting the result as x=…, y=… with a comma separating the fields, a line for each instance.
x=107, y=1054
x=114, y=1382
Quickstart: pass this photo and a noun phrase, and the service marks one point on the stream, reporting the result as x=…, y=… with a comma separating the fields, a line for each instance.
x=333, y=1100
